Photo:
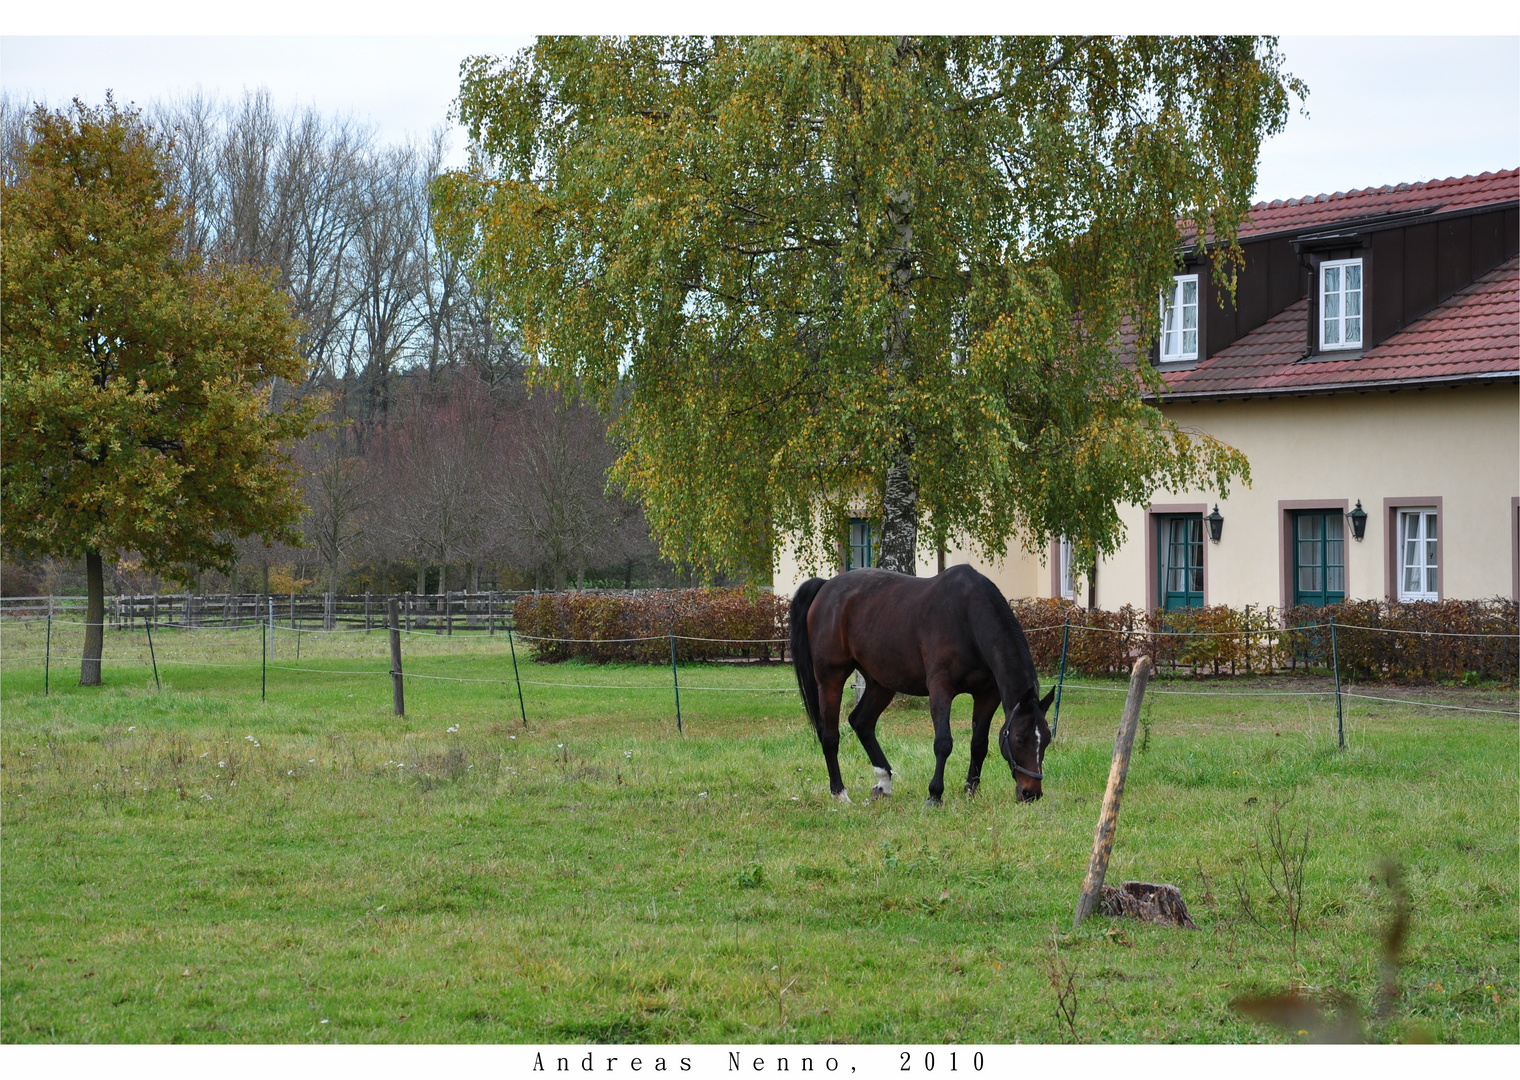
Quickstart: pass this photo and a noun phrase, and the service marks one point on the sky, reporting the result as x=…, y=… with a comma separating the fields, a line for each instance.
x=1380, y=110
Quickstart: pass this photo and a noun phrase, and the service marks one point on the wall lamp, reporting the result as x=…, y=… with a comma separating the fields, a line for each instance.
x=1216, y=524
x=1358, y=521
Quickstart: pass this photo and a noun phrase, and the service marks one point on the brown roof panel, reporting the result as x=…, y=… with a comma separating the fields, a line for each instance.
x=1445, y=196
x=1474, y=333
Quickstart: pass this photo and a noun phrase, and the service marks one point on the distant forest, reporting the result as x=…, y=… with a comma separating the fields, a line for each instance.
x=440, y=470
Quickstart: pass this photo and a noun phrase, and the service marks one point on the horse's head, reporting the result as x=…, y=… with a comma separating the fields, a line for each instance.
x=1023, y=741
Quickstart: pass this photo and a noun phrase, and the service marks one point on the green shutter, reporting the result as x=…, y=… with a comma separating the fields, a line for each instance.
x=1179, y=560
x=1319, y=557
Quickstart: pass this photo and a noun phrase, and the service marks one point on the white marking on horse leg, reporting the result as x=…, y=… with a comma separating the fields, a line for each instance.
x=843, y=796
x=883, y=781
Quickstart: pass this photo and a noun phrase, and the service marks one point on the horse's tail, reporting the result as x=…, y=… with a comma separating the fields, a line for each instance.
x=802, y=651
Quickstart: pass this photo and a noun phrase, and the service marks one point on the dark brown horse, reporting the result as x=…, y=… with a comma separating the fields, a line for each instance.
x=940, y=636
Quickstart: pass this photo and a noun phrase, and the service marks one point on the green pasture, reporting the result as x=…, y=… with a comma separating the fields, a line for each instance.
x=192, y=864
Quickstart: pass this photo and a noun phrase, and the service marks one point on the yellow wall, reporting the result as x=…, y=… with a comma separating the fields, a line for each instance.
x=1460, y=444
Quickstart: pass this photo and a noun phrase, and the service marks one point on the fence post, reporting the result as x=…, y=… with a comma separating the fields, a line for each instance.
x=264, y=664
x=271, y=626
x=1060, y=678
x=1103, y=839
x=516, y=677
x=407, y=601
x=448, y=612
x=366, y=611
x=1335, y=660
x=398, y=691
x=675, y=681
x=151, y=656
x=491, y=613
x=47, y=656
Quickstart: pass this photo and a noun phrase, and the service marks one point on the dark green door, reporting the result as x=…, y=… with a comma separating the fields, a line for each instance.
x=1319, y=557
x=862, y=544
x=1179, y=544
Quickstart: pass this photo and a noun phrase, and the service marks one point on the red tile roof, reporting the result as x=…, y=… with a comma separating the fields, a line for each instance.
x=1453, y=193
x=1474, y=333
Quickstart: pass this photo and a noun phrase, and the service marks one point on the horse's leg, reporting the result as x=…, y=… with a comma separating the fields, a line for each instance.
x=940, y=697
x=863, y=720
x=981, y=724
x=830, y=693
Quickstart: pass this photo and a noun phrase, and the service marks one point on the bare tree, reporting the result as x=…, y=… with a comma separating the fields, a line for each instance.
x=338, y=493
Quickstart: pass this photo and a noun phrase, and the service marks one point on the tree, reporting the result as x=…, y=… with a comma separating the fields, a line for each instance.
x=135, y=417
x=814, y=268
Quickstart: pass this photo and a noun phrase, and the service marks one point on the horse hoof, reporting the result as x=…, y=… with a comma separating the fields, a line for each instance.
x=971, y=788
x=842, y=795
x=883, y=783
x=933, y=801
x=881, y=793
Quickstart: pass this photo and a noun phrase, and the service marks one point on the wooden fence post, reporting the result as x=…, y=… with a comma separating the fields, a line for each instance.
x=398, y=692
x=448, y=612
x=1108, y=819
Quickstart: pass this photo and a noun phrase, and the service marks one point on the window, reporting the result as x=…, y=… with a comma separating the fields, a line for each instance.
x=1418, y=554
x=1068, y=579
x=1179, y=544
x=1179, y=320
x=1340, y=304
x=862, y=545
x=1319, y=557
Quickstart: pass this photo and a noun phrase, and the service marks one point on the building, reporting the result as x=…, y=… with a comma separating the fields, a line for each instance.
x=1369, y=368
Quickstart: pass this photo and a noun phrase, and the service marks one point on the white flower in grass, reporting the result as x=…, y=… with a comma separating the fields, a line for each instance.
x=702, y=795
x=454, y=728
x=292, y=772
x=132, y=728
x=221, y=764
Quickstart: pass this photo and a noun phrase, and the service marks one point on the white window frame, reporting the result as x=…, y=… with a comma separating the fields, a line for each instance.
x=1172, y=345
x=1423, y=548
x=1067, y=579
x=1339, y=318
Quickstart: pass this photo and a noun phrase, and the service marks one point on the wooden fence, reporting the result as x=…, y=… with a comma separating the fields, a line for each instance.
x=444, y=613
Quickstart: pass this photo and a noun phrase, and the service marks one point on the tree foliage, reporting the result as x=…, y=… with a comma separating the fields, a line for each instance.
x=136, y=417
x=812, y=268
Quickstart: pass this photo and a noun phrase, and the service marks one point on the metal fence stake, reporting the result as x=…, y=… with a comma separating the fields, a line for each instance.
x=517, y=678
x=1060, y=678
x=676, y=681
x=264, y=665
x=47, y=656
x=1335, y=660
x=156, y=684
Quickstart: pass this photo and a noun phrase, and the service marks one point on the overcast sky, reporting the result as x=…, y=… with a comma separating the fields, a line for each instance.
x=1380, y=109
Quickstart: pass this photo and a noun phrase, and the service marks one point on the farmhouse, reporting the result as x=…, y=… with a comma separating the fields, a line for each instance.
x=1369, y=368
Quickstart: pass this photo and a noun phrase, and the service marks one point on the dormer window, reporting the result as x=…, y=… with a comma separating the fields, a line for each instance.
x=1179, y=319
x=1340, y=307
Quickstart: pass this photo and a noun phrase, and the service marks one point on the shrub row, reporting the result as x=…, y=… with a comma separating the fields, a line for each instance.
x=1202, y=641
x=1228, y=641
x=718, y=614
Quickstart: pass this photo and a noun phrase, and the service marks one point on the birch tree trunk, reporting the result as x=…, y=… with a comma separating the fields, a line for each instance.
x=899, y=527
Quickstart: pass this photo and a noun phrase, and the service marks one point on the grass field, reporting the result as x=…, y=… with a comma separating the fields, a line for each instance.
x=190, y=864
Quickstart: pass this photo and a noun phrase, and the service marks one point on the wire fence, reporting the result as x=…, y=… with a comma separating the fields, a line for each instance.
x=210, y=643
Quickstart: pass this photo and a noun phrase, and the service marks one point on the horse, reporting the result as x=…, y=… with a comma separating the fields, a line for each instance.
x=942, y=636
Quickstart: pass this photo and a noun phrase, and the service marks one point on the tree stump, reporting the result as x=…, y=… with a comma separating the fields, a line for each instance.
x=1147, y=901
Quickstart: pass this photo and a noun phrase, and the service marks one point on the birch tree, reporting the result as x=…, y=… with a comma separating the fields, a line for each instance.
x=816, y=270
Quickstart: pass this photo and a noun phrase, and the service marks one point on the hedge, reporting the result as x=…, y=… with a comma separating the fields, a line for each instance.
x=1201, y=641
x=692, y=613
x=1215, y=640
